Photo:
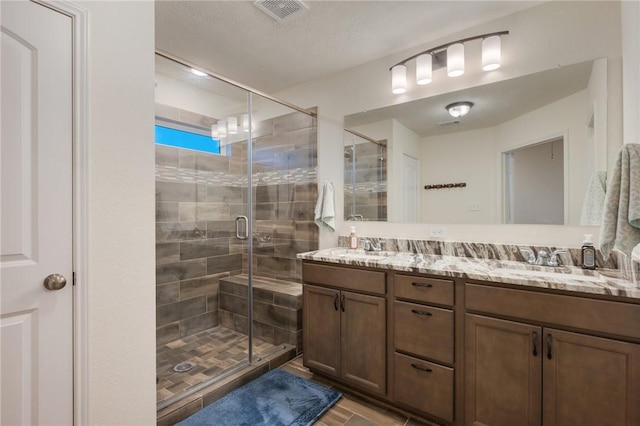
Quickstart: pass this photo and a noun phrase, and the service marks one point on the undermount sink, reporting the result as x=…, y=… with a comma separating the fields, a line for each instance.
x=549, y=274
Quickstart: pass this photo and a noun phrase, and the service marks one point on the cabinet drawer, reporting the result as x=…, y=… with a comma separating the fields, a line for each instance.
x=421, y=289
x=424, y=331
x=617, y=318
x=347, y=278
x=423, y=385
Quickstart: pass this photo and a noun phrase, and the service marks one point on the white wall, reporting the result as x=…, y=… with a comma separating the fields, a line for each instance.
x=541, y=38
x=468, y=157
x=121, y=254
x=631, y=70
x=404, y=141
x=169, y=91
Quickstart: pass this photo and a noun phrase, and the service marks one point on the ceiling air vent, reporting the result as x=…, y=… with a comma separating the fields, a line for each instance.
x=448, y=123
x=281, y=10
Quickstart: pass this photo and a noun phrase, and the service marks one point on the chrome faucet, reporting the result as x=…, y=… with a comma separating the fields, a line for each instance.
x=531, y=258
x=555, y=256
x=369, y=245
x=356, y=217
x=543, y=259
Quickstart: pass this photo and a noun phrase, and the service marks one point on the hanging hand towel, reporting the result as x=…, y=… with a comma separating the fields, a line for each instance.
x=325, y=212
x=621, y=220
x=593, y=204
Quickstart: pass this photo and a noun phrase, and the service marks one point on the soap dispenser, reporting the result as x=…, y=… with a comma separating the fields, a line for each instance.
x=588, y=253
x=353, y=238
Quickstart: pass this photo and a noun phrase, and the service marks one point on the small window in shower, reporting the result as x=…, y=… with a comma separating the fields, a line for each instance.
x=185, y=139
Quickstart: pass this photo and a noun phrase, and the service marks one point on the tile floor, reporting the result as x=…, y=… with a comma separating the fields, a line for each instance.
x=219, y=348
x=212, y=351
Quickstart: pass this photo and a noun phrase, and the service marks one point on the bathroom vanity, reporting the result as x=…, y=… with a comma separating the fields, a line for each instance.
x=469, y=341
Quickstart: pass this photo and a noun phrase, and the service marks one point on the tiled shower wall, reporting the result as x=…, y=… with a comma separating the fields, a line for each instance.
x=198, y=197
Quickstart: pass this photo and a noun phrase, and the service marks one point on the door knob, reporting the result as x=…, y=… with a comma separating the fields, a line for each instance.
x=55, y=282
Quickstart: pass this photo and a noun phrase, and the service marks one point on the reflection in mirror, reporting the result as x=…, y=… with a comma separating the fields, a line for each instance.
x=365, y=178
x=567, y=104
x=530, y=196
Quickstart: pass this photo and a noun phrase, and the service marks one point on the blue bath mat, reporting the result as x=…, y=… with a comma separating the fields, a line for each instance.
x=276, y=398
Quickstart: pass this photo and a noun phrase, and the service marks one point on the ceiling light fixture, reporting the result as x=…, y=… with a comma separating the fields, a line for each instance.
x=459, y=109
x=451, y=54
x=198, y=72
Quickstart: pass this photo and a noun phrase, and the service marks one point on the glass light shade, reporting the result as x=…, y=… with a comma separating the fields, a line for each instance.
x=222, y=128
x=232, y=125
x=491, y=53
x=245, y=122
x=399, y=79
x=455, y=60
x=214, y=131
x=198, y=72
x=424, y=69
x=459, y=109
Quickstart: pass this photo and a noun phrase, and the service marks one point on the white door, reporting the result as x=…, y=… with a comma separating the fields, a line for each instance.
x=410, y=188
x=36, y=224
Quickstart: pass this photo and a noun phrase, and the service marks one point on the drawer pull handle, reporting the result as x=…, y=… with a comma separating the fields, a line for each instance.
x=426, y=314
x=425, y=285
x=534, y=337
x=335, y=301
x=417, y=367
x=342, y=303
x=549, y=345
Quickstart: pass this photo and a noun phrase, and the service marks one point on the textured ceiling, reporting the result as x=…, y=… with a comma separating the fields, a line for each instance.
x=235, y=39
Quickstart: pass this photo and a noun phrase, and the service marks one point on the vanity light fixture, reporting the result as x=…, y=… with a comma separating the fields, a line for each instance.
x=455, y=60
x=222, y=128
x=451, y=54
x=399, y=79
x=232, y=125
x=459, y=109
x=245, y=122
x=198, y=72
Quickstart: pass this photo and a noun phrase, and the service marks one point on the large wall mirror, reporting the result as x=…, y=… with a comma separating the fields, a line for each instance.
x=531, y=150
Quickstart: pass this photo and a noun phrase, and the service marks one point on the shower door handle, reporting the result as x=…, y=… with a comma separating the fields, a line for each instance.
x=246, y=227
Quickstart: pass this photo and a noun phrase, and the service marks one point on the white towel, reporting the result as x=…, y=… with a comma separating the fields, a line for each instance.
x=593, y=204
x=325, y=213
x=621, y=220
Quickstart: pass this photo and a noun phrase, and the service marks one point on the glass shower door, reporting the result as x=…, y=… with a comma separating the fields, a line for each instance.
x=203, y=229
x=236, y=190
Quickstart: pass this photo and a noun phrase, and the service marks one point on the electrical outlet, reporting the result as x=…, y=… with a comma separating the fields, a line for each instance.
x=437, y=231
x=474, y=206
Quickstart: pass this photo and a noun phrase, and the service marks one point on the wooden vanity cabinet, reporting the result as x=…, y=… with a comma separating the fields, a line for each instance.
x=423, y=324
x=344, y=330
x=521, y=373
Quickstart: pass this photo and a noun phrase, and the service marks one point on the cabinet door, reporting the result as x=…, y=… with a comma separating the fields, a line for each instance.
x=590, y=380
x=321, y=329
x=503, y=372
x=364, y=341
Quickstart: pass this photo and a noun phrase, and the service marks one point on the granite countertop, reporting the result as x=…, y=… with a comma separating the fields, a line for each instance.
x=568, y=278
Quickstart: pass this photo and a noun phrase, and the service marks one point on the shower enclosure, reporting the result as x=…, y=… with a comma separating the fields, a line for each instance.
x=235, y=193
